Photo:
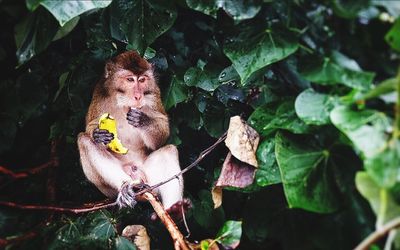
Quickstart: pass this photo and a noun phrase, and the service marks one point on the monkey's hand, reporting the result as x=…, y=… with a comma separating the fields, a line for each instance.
x=137, y=118
x=102, y=136
x=127, y=195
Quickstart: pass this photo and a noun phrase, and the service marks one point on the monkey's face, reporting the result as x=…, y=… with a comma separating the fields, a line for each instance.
x=135, y=90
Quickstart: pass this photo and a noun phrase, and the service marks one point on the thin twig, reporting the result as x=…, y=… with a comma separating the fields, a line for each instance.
x=58, y=209
x=203, y=154
x=379, y=233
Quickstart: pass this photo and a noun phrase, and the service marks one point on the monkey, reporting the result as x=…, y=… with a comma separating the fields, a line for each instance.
x=129, y=92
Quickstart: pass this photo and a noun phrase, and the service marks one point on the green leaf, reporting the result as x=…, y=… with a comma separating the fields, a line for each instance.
x=32, y=4
x=175, y=94
x=66, y=29
x=269, y=118
x=250, y=52
x=393, y=36
x=101, y=226
x=365, y=128
x=268, y=170
x=65, y=11
x=122, y=243
x=326, y=71
x=305, y=174
x=384, y=167
x=230, y=233
x=34, y=34
x=237, y=9
x=204, y=213
x=380, y=199
x=139, y=23
x=201, y=78
x=314, y=108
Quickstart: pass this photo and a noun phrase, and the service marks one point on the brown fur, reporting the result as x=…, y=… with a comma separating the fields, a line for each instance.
x=128, y=83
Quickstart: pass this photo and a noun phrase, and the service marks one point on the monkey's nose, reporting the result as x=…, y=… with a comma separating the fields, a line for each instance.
x=138, y=97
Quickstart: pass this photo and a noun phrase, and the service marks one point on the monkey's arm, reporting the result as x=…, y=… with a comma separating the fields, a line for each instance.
x=153, y=126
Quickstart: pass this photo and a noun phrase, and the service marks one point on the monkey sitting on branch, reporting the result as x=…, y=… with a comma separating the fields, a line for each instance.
x=129, y=93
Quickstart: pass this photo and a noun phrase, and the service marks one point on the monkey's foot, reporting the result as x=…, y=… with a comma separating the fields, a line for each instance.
x=127, y=195
x=176, y=211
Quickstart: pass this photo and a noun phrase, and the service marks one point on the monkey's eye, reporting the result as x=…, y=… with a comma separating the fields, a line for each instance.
x=130, y=79
x=142, y=79
x=147, y=92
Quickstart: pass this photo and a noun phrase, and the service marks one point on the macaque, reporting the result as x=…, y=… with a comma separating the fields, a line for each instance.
x=128, y=91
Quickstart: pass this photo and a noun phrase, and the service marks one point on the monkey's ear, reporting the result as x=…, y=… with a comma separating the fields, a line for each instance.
x=109, y=69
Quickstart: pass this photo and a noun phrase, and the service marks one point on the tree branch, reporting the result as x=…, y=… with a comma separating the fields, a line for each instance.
x=177, y=237
x=379, y=233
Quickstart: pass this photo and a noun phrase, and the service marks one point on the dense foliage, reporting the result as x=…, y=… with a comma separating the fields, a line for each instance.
x=316, y=79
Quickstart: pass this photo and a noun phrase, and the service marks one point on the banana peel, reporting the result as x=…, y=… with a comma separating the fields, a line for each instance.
x=108, y=123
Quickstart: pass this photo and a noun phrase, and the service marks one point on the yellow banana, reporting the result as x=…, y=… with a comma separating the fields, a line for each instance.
x=108, y=123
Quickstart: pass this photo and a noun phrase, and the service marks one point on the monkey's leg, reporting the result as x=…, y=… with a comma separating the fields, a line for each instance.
x=161, y=165
x=103, y=169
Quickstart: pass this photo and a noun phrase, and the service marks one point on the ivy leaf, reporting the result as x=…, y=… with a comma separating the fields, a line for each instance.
x=201, y=78
x=34, y=34
x=268, y=170
x=101, y=227
x=326, y=71
x=305, y=174
x=384, y=166
x=65, y=11
x=268, y=118
x=67, y=235
x=365, y=128
x=314, y=108
x=139, y=23
x=237, y=9
x=250, y=52
x=122, y=243
x=393, y=36
x=230, y=233
x=175, y=94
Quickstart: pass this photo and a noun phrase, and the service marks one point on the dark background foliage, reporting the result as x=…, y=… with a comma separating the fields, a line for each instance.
x=314, y=78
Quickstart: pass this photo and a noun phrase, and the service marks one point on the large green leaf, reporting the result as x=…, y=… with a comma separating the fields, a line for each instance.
x=175, y=94
x=139, y=23
x=328, y=71
x=268, y=118
x=237, y=9
x=34, y=34
x=204, y=213
x=250, y=52
x=393, y=36
x=365, y=128
x=314, y=108
x=305, y=172
x=65, y=11
x=267, y=172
